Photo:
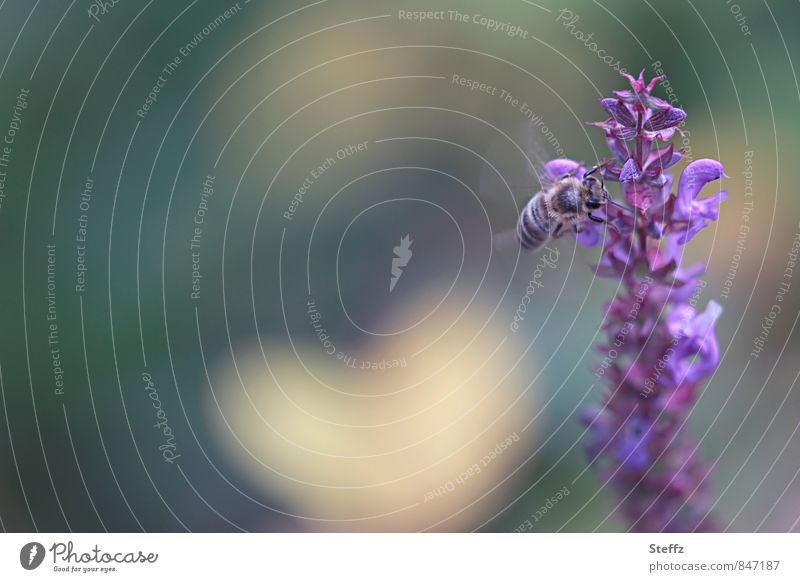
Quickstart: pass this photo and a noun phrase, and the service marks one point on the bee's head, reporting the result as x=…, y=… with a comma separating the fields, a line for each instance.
x=594, y=190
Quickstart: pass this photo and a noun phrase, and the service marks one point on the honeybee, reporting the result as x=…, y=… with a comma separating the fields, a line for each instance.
x=515, y=164
x=564, y=204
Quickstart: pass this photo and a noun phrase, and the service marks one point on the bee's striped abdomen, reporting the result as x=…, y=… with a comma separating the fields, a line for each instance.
x=533, y=227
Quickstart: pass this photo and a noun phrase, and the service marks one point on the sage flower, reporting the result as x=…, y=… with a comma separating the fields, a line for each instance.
x=659, y=347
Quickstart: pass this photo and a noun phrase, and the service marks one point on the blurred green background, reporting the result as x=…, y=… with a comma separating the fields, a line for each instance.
x=294, y=391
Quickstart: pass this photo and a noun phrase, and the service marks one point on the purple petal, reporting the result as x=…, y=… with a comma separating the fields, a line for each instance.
x=616, y=257
x=637, y=194
x=703, y=325
x=655, y=230
x=694, y=177
x=678, y=321
x=708, y=207
x=652, y=84
x=555, y=169
x=699, y=350
x=662, y=253
x=617, y=147
x=659, y=180
x=656, y=103
x=652, y=173
x=629, y=171
x=645, y=196
x=676, y=157
x=609, y=105
x=660, y=156
x=662, y=190
x=647, y=147
x=624, y=132
x=626, y=96
x=623, y=115
x=619, y=111
x=664, y=135
x=701, y=212
x=664, y=119
x=661, y=160
x=611, y=172
x=590, y=234
x=689, y=274
x=636, y=84
x=632, y=444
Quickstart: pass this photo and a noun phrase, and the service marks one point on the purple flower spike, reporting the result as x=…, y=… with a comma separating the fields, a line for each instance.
x=659, y=348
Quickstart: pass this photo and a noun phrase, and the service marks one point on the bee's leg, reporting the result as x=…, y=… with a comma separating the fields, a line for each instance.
x=594, y=218
x=599, y=220
x=557, y=233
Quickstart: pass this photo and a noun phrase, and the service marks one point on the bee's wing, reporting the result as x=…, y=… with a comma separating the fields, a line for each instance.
x=505, y=242
x=506, y=252
x=512, y=172
x=513, y=166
